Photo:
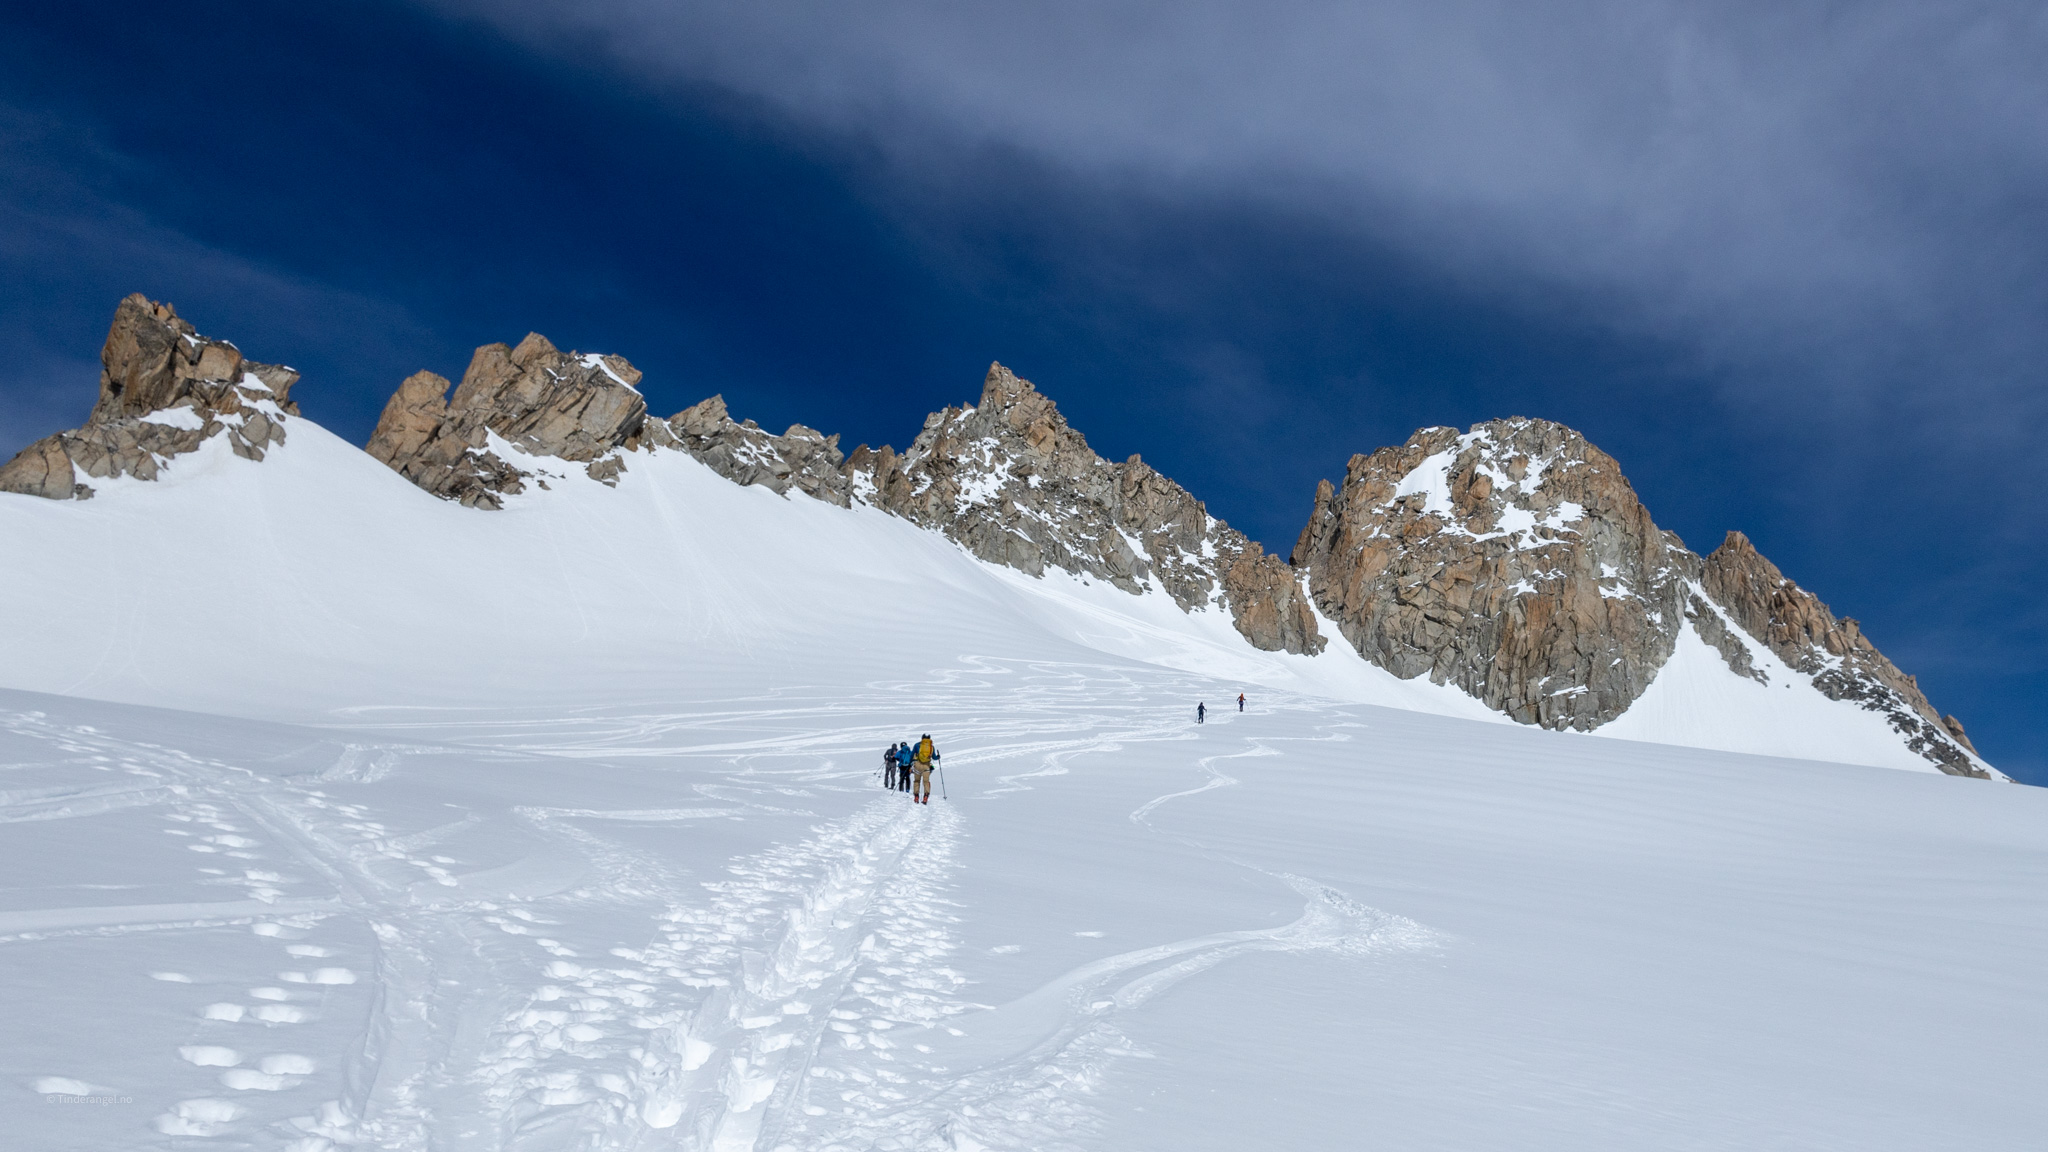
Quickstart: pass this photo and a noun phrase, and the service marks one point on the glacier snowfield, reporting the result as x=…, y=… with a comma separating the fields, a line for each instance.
x=335, y=817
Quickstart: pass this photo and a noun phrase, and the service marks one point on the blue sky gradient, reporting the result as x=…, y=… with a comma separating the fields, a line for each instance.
x=846, y=240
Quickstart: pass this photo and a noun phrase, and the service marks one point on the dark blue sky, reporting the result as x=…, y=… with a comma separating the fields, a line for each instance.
x=1790, y=272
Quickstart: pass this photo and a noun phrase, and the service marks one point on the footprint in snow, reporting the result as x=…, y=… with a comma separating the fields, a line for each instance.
x=210, y=1056
x=319, y=976
x=274, y=1013
x=200, y=1118
x=273, y=1074
x=66, y=1086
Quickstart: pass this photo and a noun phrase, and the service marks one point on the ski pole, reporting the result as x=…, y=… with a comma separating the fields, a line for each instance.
x=942, y=783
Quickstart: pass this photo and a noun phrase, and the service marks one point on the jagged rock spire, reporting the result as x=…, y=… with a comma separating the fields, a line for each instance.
x=801, y=458
x=164, y=391
x=1016, y=485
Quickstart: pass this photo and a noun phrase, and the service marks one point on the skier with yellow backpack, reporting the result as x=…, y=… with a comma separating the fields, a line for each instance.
x=921, y=762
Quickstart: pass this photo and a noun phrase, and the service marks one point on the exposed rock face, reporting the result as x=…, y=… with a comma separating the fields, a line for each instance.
x=1842, y=661
x=164, y=391
x=545, y=402
x=1513, y=561
x=1516, y=562
x=801, y=458
x=1014, y=484
x=581, y=408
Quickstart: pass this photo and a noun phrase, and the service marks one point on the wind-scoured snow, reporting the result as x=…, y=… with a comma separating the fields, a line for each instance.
x=558, y=827
x=597, y=360
x=177, y=417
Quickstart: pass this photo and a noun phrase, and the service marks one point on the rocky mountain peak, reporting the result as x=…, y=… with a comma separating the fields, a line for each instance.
x=1015, y=484
x=1513, y=560
x=1040, y=433
x=534, y=398
x=164, y=391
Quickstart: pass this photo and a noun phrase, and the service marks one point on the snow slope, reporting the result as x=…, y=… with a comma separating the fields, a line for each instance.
x=1697, y=702
x=1314, y=925
x=557, y=828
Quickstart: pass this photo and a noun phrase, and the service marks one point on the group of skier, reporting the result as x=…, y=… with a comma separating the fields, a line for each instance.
x=907, y=767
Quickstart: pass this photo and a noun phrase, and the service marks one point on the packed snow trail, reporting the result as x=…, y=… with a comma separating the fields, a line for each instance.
x=806, y=1005
x=728, y=999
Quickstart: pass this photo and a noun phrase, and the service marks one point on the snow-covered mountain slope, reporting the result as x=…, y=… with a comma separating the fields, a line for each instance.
x=1512, y=563
x=556, y=827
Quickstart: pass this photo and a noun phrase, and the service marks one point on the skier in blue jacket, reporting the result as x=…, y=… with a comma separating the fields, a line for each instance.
x=905, y=753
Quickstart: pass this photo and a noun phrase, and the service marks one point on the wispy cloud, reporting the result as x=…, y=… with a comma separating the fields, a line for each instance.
x=1857, y=187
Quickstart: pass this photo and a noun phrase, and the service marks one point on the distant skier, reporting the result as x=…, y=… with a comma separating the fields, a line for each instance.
x=905, y=753
x=921, y=768
x=1201, y=710
x=889, y=768
x=1240, y=701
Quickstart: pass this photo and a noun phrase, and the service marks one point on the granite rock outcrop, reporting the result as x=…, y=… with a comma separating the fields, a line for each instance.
x=801, y=458
x=518, y=406
x=164, y=391
x=533, y=400
x=1513, y=561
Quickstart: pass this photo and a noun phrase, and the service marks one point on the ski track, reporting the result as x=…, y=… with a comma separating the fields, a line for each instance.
x=803, y=1000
